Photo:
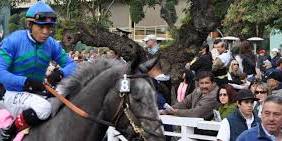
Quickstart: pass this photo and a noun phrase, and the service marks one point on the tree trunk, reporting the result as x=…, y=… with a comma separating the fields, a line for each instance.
x=190, y=37
x=173, y=59
x=99, y=37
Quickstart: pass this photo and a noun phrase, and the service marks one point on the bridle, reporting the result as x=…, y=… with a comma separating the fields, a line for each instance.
x=123, y=109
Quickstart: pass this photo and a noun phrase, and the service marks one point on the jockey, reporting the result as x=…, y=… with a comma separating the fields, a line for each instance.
x=24, y=58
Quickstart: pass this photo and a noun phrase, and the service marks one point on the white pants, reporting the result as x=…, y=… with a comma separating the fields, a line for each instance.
x=17, y=102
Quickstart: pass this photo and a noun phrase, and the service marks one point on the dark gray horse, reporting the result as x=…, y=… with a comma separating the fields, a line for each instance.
x=95, y=89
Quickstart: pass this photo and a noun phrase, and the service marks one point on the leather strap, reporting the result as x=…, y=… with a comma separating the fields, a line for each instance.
x=66, y=102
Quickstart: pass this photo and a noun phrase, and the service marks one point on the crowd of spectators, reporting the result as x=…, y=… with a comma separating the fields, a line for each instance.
x=228, y=87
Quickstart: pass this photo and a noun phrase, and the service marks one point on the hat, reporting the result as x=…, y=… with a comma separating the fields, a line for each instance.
x=275, y=49
x=245, y=94
x=261, y=51
x=150, y=37
x=41, y=13
x=275, y=75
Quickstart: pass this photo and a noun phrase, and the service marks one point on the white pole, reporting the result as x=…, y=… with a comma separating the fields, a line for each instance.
x=255, y=48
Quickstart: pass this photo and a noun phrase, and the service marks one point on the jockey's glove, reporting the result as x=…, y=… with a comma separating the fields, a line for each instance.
x=55, y=77
x=33, y=86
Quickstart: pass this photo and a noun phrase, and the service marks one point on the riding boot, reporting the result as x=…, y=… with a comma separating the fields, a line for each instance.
x=18, y=125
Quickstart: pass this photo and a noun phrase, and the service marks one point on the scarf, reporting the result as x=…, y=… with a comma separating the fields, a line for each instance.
x=181, y=91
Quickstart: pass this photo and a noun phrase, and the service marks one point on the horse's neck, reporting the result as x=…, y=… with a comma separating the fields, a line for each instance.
x=67, y=125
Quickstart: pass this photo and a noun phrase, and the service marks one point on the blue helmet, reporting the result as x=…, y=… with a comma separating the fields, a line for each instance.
x=41, y=13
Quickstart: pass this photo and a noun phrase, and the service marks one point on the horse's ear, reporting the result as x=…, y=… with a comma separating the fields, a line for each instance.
x=148, y=65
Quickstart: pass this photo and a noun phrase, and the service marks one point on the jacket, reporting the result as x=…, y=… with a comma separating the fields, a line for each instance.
x=226, y=110
x=21, y=57
x=197, y=105
x=203, y=63
x=249, y=63
x=254, y=134
x=238, y=124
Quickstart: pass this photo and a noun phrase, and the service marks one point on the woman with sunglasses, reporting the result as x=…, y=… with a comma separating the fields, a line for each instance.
x=226, y=98
x=236, y=78
x=261, y=93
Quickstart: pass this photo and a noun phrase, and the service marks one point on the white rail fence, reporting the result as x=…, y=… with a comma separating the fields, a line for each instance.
x=186, y=124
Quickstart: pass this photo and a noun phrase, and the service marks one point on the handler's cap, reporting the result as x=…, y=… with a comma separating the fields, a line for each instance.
x=150, y=37
x=246, y=94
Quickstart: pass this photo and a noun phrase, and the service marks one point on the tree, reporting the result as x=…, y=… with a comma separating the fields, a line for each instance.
x=90, y=11
x=246, y=18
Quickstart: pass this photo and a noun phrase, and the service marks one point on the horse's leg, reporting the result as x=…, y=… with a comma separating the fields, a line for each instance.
x=98, y=131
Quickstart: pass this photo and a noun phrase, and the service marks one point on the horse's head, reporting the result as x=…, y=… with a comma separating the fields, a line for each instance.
x=132, y=104
x=101, y=89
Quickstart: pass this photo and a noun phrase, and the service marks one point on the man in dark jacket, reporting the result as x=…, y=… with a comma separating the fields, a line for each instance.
x=241, y=119
x=204, y=61
x=161, y=82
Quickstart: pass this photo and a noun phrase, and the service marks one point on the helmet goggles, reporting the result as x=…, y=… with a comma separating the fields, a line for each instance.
x=44, y=18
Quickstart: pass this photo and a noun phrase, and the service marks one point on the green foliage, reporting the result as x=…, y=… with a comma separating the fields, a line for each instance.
x=151, y=3
x=246, y=18
x=170, y=10
x=186, y=19
x=11, y=3
x=103, y=21
x=220, y=7
x=17, y=22
x=167, y=43
x=13, y=27
x=91, y=11
x=136, y=10
x=59, y=34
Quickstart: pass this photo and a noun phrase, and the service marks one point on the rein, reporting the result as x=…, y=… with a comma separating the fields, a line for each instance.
x=74, y=108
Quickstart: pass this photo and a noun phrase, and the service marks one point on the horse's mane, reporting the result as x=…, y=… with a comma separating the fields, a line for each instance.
x=83, y=75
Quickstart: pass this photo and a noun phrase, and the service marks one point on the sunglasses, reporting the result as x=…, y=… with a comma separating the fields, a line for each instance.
x=236, y=64
x=260, y=92
x=222, y=94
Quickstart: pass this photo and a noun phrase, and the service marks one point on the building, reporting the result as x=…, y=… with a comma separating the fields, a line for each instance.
x=151, y=24
x=276, y=39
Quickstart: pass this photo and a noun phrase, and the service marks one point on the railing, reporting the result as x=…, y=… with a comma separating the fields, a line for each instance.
x=139, y=32
x=186, y=124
